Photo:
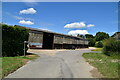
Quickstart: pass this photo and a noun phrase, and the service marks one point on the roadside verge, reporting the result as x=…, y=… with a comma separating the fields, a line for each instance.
x=11, y=64
x=106, y=65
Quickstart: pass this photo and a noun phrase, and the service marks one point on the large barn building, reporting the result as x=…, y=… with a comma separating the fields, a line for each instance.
x=51, y=40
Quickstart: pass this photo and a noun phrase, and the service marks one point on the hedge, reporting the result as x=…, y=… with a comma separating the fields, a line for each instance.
x=111, y=46
x=13, y=38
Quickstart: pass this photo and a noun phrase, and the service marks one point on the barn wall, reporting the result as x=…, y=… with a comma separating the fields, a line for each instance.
x=36, y=37
x=68, y=42
x=59, y=41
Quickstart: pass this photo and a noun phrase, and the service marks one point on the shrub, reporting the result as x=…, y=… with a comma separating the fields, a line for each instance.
x=13, y=38
x=111, y=46
x=99, y=44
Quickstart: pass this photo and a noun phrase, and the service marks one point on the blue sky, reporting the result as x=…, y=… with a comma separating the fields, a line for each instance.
x=63, y=17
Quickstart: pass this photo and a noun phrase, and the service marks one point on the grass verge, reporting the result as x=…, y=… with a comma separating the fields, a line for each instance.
x=106, y=65
x=10, y=64
x=97, y=49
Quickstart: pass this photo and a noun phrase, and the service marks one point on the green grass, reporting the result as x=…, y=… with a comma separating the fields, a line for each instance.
x=10, y=64
x=97, y=49
x=106, y=65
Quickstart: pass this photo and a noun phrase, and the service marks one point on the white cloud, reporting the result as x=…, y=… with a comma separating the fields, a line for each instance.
x=90, y=25
x=21, y=18
x=76, y=32
x=45, y=29
x=78, y=25
x=17, y=17
x=28, y=11
x=75, y=25
x=26, y=22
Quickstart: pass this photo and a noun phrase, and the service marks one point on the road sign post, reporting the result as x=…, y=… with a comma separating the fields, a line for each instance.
x=24, y=47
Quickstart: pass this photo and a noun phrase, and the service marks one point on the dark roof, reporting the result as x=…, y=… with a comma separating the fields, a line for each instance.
x=39, y=30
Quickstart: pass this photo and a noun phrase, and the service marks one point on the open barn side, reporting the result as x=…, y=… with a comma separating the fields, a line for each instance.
x=50, y=40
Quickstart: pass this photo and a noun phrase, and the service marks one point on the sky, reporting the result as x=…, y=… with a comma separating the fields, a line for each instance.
x=63, y=17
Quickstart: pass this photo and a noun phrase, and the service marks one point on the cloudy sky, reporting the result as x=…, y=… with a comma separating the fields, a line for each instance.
x=63, y=17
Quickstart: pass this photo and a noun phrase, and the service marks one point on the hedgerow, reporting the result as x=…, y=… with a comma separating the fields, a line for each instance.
x=13, y=38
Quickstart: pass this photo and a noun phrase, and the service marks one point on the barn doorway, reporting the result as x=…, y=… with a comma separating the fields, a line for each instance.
x=48, y=40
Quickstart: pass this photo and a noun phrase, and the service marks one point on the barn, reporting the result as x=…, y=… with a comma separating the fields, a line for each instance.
x=50, y=40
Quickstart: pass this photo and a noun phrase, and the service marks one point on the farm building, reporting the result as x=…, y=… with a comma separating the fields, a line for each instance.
x=117, y=35
x=51, y=40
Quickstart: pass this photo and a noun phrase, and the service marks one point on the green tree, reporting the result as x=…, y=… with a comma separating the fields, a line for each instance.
x=88, y=36
x=91, y=39
x=99, y=44
x=82, y=36
x=91, y=42
x=101, y=36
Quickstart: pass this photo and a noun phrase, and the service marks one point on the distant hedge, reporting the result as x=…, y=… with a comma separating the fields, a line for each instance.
x=111, y=46
x=13, y=38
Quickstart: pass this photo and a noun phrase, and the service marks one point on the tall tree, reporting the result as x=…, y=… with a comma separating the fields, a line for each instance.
x=82, y=36
x=101, y=36
x=91, y=42
x=91, y=39
x=88, y=36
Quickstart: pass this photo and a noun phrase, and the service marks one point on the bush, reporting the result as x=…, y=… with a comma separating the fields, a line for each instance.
x=13, y=38
x=99, y=44
x=111, y=46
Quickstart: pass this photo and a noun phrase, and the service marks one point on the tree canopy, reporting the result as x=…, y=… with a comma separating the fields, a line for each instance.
x=82, y=36
x=101, y=36
x=89, y=36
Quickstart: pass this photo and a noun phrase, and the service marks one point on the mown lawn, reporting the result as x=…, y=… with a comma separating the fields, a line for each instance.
x=10, y=64
x=108, y=66
x=97, y=49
